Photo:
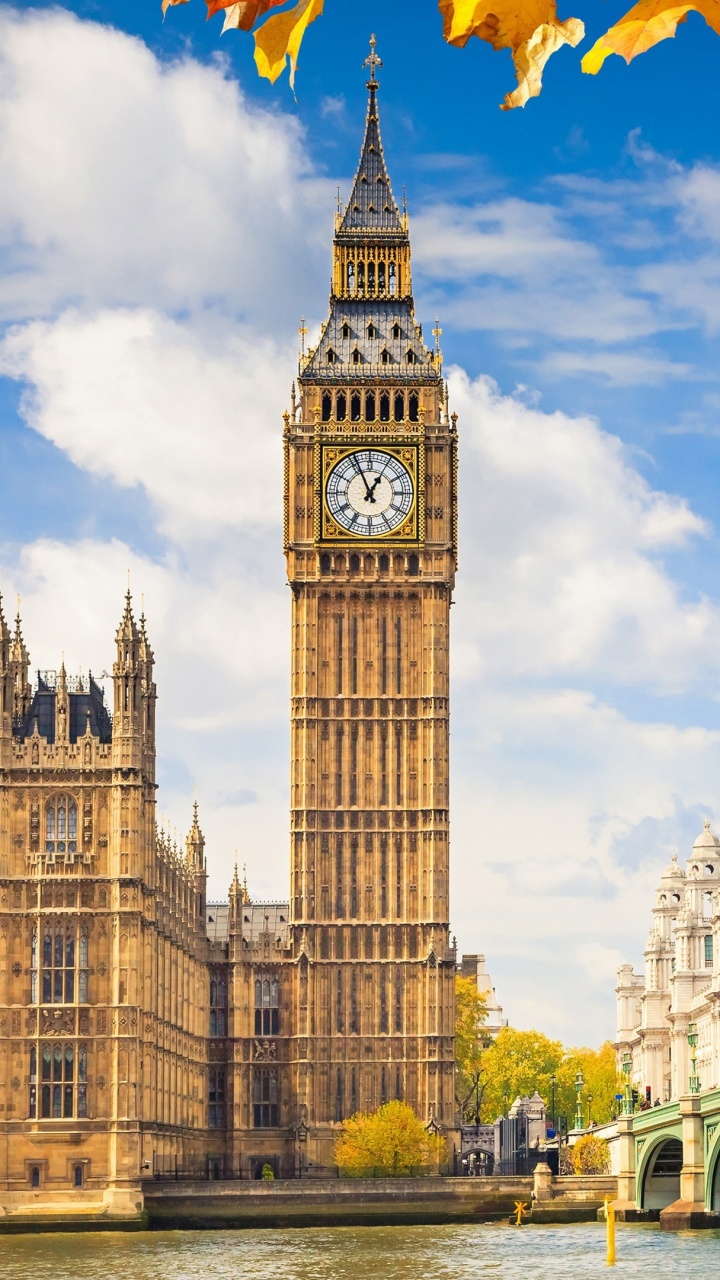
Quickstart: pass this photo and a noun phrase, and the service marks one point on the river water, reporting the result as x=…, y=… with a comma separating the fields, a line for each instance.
x=368, y=1253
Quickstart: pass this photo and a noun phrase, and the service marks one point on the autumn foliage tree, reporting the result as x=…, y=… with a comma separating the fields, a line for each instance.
x=470, y=1043
x=390, y=1143
x=530, y=29
x=518, y=1063
x=590, y=1154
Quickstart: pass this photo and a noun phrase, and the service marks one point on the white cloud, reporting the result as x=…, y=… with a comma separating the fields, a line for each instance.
x=192, y=416
x=130, y=181
x=560, y=537
x=622, y=369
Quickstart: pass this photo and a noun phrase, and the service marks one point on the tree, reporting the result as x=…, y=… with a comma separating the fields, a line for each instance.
x=470, y=1016
x=519, y=1062
x=530, y=29
x=515, y=1064
x=590, y=1155
x=601, y=1078
x=390, y=1143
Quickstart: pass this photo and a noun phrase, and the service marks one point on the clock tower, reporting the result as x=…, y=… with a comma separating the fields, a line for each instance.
x=370, y=541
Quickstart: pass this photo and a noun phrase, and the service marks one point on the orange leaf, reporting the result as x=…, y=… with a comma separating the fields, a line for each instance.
x=280, y=37
x=166, y=4
x=646, y=24
x=240, y=15
x=531, y=30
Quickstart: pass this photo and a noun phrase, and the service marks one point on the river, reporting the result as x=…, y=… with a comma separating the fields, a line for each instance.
x=369, y=1253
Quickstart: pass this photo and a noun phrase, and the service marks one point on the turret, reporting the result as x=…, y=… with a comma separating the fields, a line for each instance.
x=6, y=678
x=195, y=847
x=135, y=696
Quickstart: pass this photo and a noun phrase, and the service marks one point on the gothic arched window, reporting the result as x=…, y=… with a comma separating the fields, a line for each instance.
x=61, y=825
x=267, y=1005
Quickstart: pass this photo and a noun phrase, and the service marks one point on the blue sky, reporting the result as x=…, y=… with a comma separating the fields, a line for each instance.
x=165, y=220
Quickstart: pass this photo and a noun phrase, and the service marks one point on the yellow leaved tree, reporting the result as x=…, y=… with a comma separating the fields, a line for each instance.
x=530, y=29
x=470, y=1044
x=390, y=1143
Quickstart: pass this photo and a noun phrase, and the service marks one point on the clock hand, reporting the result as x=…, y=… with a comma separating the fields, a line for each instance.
x=370, y=495
x=361, y=473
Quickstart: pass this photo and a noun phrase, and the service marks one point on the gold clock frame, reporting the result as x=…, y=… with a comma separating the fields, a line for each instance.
x=412, y=456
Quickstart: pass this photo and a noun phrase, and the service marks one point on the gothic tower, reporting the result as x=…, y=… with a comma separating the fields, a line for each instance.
x=371, y=517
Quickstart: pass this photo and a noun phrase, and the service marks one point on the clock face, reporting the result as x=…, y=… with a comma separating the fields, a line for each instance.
x=369, y=493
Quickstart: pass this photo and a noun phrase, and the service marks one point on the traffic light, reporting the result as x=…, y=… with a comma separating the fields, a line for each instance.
x=635, y=1096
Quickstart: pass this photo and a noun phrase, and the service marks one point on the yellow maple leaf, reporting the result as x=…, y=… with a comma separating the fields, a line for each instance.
x=531, y=30
x=280, y=38
x=166, y=4
x=646, y=24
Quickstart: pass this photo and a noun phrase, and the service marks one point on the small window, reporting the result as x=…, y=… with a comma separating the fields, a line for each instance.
x=410, y=357
x=384, y=356
x=384, y=407
x=346, y=330
x=381, y=276
x=384, y=563
x=371, y=331
x=325, y=562
x=78, y=1179
x=396, y=331
x=399, y=406
x=708, y=951
x=331, y=356
x=370, y=406
x=355, y=411
x=413, y=407
x=356, y=356
x=341, y=406
x=392, y=278
x=35, y=1176
x=326, y=407
x=354, y=563
x=413, y=565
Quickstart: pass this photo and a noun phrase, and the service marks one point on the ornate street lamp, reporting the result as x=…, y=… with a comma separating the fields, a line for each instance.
x=627, y=1068
x=692, y=1041
x=579, y=1084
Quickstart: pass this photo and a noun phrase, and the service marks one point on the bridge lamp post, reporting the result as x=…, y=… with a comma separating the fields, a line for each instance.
x=692, y=1041
x=579, y=1083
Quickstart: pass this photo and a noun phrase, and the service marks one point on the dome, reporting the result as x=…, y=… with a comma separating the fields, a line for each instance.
x=706, y=840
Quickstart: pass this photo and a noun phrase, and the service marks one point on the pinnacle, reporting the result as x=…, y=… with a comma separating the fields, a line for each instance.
x=372, y=206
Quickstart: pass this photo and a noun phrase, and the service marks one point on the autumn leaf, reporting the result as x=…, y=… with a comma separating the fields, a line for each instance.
x=241, y=15
x=280, y=37
x=531, y=30
x=643, y=26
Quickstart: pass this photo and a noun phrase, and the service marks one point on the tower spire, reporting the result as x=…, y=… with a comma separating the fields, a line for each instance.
x=372, y=206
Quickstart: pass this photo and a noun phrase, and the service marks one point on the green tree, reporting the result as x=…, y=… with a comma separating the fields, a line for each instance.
x=517, y=1063
x=470, y=1043
x=390, y=1143
x=602, y=1081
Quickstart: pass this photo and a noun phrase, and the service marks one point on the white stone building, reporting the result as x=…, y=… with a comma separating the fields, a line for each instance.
x=681, y=983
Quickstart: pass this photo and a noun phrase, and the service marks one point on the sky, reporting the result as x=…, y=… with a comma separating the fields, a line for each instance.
x=165, y=222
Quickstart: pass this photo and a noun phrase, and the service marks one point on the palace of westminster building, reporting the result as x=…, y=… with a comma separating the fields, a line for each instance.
x=143, y=1028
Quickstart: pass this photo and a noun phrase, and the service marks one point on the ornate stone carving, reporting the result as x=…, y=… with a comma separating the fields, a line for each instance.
x=57, y=1022
x=265, y=1051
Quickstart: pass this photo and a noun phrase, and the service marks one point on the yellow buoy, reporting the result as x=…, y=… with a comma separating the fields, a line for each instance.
x=520, y=1209
x=610, y=1220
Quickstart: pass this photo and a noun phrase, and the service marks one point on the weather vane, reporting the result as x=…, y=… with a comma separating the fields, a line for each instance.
x=372, y=61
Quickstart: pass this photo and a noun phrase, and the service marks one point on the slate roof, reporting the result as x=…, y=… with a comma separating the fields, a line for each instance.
x=42, y=712
x=371, y=206
x=257, y=918
x=358, y=316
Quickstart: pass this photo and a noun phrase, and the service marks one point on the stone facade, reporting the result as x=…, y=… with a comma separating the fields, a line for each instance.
x=681, y=982
x=145, y=1031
